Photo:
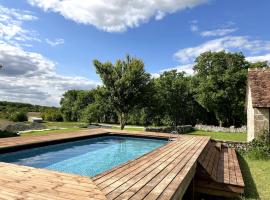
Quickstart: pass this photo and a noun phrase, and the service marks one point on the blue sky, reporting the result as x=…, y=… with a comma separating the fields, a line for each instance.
x=47, y=47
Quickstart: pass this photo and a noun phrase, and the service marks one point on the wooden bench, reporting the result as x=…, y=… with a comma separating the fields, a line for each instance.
x=218, y=171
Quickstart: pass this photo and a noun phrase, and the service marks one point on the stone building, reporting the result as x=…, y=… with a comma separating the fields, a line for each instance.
x=258, y=102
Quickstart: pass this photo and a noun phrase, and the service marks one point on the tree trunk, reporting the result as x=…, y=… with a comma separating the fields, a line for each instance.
x=122, y=121
x=220, y=123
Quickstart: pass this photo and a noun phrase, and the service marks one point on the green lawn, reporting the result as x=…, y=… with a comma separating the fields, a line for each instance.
x=63, y=124
x=129, y=128
x=256, y=175
x=50, y=132
x=238, y=137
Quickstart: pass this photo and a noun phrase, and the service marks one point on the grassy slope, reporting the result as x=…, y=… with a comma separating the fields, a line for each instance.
x=239, y=137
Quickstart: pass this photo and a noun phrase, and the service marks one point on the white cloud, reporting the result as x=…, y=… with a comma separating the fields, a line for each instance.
x=265, y=57
x=228, y=43
x=218, y=32
x=11, y=26
x=114, y=15
x=188, y=69
x=30, y=77
x=181, y=68
x=55, y=42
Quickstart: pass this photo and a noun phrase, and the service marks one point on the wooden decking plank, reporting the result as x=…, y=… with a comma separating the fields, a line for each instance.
x=220, y=170
x=204, y=153
x=238, y=173
x=171, y=189
x=233, y=179
x=128, y=181
x=215, y=165
x=161, y=181
x=226, y=167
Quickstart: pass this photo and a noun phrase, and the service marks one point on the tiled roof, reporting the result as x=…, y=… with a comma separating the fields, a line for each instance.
x=259, y=81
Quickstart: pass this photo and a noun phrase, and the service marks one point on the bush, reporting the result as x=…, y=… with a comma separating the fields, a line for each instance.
x=259, y=148
x=18, y=117
x=90, y=114
x=7, y=134
x=52, y=115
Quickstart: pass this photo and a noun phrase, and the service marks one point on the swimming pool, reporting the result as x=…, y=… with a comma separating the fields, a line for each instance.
x=87, y=157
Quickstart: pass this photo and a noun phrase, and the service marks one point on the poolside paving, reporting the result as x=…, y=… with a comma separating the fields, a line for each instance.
x=164, y=173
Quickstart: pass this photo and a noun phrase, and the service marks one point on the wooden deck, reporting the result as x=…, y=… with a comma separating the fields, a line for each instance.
x=164, y=173
x=20, y=182
x=219, y=171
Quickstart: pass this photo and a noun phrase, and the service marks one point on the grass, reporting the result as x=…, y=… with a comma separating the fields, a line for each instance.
x=63, y=124
x=256, y=175
x=129, y=128
x=237, y=137
x=50, y=131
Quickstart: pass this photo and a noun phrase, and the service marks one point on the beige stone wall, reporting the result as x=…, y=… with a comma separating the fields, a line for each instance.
x=261, y=120
x=250, y=115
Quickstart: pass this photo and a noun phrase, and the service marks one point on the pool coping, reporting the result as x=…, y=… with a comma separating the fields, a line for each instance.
x=46, y=140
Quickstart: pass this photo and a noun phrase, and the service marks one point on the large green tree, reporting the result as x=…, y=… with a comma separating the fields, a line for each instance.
x=220, y=85
x=125, y=81
x=176, y=102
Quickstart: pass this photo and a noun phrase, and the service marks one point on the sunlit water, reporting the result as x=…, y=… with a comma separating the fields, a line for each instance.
x=85, y=157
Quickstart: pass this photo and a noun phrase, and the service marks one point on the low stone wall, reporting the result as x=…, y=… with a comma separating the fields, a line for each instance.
x=20, y=126
x=169, y=129
x=231, y=129
x=239, y=146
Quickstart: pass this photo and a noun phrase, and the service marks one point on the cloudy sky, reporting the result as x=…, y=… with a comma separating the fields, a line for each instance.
x=47, y=46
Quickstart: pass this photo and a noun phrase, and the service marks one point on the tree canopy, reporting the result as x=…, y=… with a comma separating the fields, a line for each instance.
x=220, y=85
x=214, y=95
x=125, y=81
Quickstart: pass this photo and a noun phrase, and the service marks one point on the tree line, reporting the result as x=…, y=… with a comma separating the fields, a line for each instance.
x=215, y=94
x=17, y=112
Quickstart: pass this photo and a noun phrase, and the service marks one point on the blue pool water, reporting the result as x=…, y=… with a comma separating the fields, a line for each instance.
x=84, y=157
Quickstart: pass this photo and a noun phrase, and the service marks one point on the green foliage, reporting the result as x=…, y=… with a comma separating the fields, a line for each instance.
x=73, y=102
x=125, y=81
x=175, y=99
x=259, y=148
x=220, y=85
x=263, y=64
x=214, y=95
x=91, y=113
x=53, y=115
x=18, y=117
x=4, y=134
x=8, y=108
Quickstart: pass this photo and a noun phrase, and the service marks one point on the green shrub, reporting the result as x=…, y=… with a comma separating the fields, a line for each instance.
x=52, y=115
x=18, y=117
x=90, y=114
x=259, y=148
x=7, y=134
